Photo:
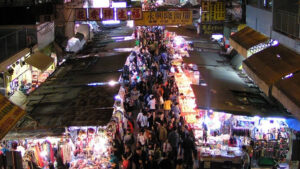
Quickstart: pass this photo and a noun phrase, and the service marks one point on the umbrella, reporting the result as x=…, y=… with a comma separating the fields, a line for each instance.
x=293, y=123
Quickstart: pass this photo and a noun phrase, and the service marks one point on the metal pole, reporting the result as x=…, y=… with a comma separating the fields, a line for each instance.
x=17, y=41
x=5, y=46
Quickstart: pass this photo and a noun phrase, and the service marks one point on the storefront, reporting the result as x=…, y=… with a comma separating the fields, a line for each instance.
x=220, y=136
x=27, y=73
x=77, y=147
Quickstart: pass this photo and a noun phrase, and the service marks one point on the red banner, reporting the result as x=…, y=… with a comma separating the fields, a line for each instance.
x=122, y=14
x=94, y=14
x=80, y=14
x=107, y=13
x=136, y=13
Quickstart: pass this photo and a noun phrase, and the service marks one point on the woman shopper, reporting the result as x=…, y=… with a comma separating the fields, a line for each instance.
x=127, y=158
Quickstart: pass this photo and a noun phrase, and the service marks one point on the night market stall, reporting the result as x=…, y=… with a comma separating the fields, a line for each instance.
x=221, y=136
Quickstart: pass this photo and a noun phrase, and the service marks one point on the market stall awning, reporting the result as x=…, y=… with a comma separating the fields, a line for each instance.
x=287, y=91
x=271, y=65
x=40, y=60
x=222, y=89
x=14, y=58
x=67, y=98
x=246, y=38
x=10, y=115
x=235, y=102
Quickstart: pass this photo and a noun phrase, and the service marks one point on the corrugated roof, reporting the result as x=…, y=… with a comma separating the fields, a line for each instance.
x=226, y=91
x=287, y=91
x=248, y=37
x=270, y=65
x=65, y=99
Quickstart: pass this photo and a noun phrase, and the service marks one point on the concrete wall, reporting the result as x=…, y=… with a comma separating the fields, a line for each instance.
x=259, y=19
x=293, y=44
x=45, y=34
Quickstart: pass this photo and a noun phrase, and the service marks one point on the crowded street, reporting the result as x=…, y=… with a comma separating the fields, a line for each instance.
x=149, y=84
x=155, y=136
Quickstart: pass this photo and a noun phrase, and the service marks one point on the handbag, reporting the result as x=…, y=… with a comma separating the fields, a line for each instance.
x=125, y=164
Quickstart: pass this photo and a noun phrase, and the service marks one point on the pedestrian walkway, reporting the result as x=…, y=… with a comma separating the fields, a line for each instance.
x=155, y=136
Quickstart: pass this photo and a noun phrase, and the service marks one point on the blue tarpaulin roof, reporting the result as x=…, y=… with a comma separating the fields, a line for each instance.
x=293, y=123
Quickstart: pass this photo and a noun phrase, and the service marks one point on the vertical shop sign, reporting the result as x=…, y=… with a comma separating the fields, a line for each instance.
x=94, y=14
x=136, y=13
x=107, y=14
x=80, y=14
x=10, y=114
x=122, y=14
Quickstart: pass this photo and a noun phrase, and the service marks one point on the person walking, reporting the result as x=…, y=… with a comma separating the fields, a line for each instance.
x=142, y=119
x=163, y=134
x=245, y=158
x=167, y=107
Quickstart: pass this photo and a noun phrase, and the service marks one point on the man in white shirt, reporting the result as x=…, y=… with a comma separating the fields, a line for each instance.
x=152, y=103
x=142, y=119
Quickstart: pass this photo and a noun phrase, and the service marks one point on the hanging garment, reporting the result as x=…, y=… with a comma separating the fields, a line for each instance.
x=14, y=159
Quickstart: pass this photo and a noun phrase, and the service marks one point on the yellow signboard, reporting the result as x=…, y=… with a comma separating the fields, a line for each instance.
x=156, y=18
x=213, y=11
x=10, y=114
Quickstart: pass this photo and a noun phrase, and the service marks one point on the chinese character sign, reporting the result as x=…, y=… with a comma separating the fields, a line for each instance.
x=94, y=14
x=10, y=114
x=154, y=18
x=107, y=13
x=122, y=14
x=136, y=13
x=80, y=14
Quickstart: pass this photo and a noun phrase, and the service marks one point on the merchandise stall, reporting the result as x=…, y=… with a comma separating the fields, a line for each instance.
x=220, y=136
x=179, y=49
x=27, y=73
x=214, y=143
x=78, y=147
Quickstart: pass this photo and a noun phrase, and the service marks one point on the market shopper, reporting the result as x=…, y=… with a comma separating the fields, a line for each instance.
x=165, y=162
x=162, y=131
x=142, y=119
x=151, y=163
x=167, y=107
x=127, y=158
x=139, y=158
x=245, y=158
x=159, y=119
x=167, y=148
x=128, y=138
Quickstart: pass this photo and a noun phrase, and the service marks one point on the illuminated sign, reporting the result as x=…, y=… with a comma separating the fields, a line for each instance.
x=122, y=14
x=94, y=14
x=119, y=5
x=80, y=14
x=165, y=18
x=136, y=13
x=107, y=13
x=100, y=4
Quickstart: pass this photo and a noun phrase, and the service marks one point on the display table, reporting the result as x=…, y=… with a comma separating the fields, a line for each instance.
x=213, y=162
x=220, y=159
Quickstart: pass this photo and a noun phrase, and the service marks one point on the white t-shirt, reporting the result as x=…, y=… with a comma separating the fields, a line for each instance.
x=142, y=119
x=152, y=104
x=141, y=139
